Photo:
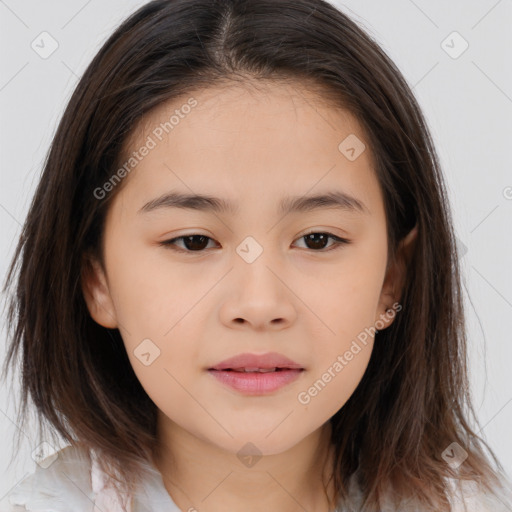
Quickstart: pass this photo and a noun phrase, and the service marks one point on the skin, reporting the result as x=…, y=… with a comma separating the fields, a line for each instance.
x=253, y=147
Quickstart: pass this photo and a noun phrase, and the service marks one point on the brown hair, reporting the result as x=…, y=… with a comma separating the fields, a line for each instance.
x=413, y=400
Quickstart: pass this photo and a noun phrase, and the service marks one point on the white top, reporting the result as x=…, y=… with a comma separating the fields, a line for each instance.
x=74, y=482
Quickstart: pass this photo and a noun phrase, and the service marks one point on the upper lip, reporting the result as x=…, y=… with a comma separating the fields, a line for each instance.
x=262, y=361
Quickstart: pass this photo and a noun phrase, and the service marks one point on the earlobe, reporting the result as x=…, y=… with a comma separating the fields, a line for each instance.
x=96, y=293
x=395, y=279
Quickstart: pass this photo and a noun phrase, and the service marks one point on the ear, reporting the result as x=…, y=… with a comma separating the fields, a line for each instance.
x=96, y=292
x=395, y=279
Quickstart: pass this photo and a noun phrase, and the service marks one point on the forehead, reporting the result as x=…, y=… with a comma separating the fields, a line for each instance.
x=250, y=141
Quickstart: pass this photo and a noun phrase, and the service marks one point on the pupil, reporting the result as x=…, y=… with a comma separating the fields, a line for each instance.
x=203, y=242
x=313, y=237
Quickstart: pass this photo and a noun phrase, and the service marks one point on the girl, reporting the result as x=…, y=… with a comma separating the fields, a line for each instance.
x=238, y=284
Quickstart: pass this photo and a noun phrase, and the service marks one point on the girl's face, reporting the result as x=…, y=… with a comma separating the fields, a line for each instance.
x=249, y=281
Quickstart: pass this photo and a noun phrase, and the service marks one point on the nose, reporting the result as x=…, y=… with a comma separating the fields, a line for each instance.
x=259, y=297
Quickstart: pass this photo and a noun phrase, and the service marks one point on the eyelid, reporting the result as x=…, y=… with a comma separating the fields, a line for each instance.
x=324, y=231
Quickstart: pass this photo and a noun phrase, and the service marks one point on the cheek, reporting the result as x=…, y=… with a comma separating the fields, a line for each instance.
x=150, y=294
x=342, y=351
x=348, y=300
x=329, y=390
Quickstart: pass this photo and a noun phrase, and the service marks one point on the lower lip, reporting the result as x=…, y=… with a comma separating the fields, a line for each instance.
x=256, y=383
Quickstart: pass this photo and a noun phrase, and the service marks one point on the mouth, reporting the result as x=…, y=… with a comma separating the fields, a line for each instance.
x=256, y=374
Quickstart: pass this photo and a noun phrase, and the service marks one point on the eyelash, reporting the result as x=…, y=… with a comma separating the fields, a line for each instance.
x=340, y=242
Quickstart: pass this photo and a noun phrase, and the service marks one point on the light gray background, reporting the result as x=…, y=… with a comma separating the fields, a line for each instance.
x=467, y=102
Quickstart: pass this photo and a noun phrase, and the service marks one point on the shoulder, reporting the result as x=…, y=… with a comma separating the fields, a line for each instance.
x=66, y=480
x=464, y=496
x=468, y=496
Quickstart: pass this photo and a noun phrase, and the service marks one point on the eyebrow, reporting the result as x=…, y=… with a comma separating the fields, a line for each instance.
x=329, y=200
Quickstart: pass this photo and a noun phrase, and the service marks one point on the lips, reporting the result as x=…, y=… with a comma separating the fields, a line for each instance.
x=262, y=363
x=257, y=374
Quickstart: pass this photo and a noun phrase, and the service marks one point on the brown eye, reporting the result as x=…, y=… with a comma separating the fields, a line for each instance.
x=317, y=241
x=192, y=243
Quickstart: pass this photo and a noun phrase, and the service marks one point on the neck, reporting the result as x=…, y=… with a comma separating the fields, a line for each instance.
x=200, y=475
